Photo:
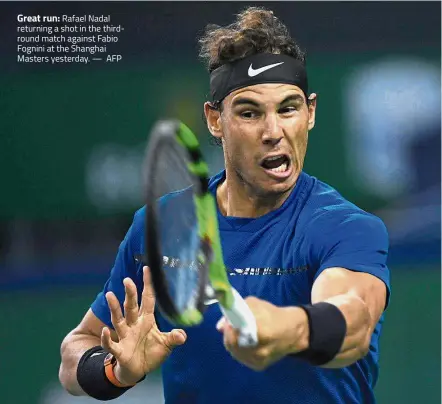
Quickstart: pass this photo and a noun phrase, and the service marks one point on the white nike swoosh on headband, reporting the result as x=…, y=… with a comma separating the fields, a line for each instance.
x=254, y=72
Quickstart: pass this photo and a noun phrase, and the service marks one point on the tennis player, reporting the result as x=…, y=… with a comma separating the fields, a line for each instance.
x=312, y=263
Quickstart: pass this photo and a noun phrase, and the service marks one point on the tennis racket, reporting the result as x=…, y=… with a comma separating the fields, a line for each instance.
x=182, y=242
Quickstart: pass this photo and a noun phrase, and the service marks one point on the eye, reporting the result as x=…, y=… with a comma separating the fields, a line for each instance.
x=287, y=110
x=248, y=114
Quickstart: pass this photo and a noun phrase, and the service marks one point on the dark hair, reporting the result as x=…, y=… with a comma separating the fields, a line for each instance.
x=256, y=30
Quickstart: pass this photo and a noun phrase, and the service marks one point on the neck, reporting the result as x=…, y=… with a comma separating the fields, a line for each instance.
x=236, y=198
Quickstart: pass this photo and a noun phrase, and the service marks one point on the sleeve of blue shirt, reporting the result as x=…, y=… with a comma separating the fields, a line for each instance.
x=358, y=242
x=124, y=266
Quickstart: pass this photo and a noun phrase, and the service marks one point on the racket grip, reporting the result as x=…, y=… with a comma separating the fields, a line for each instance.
x=242, y=319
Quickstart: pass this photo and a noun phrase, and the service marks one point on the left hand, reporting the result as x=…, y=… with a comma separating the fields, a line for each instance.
x=275, y=335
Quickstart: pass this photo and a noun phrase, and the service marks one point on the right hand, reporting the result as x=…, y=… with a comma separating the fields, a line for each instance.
x=141, y=346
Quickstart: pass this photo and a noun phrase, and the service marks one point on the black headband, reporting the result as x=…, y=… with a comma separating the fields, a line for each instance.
x=257, y=69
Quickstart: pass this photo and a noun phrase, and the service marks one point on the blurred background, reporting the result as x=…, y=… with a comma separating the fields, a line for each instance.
x=72, y=139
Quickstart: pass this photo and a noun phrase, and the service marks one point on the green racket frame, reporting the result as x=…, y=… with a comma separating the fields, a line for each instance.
x=210, y=256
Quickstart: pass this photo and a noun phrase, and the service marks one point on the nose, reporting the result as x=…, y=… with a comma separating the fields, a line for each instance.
x=272, y=133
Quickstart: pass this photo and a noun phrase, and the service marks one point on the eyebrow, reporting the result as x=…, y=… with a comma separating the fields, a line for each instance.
x=293, y=97
x=249, y=101
x=244, y=101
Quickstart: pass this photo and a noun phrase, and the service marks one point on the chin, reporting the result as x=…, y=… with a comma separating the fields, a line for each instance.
x=280, y=187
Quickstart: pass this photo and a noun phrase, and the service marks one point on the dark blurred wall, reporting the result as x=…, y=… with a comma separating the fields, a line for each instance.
x=55, y=119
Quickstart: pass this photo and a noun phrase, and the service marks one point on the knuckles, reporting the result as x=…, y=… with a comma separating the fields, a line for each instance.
x=257, y=359
x=262, y=356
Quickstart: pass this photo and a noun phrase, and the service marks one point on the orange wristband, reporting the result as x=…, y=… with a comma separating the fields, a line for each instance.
x=109, y=363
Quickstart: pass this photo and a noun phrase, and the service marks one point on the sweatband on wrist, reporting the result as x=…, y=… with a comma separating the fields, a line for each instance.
x=327, y=330
x=92, y=378
x=257, y=69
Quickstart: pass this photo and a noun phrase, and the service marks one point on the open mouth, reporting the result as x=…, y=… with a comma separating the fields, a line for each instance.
x=276, y=164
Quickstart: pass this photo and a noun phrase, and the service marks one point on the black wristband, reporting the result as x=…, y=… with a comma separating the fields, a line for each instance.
x=327, y=330
x=92, y=377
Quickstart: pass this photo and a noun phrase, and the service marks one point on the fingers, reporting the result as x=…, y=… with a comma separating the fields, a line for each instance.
x=230, y=337
x=130, y=301
x=148, y=295
x=108, y=344
x=249, y=356
x=118, y=321
x=221, y=324
x=175, y=338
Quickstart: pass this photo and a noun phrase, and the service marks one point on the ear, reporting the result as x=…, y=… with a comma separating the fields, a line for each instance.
x=311, y=110
x=213, y=118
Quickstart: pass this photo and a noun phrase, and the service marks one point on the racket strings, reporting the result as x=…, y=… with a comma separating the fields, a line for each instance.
x=173, y=187
x=171, y=169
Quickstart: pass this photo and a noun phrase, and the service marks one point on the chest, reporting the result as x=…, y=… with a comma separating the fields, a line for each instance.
x=271, y=264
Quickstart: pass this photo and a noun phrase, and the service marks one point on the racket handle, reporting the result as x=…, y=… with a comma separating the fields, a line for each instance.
x=242, y=319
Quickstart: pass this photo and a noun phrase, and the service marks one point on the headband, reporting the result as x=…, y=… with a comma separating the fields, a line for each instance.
x=257, y=69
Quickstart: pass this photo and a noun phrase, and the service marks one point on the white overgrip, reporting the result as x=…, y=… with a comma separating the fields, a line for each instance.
x=242, y=319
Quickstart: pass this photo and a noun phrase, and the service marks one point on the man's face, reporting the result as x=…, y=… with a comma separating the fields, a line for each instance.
x=264, y=130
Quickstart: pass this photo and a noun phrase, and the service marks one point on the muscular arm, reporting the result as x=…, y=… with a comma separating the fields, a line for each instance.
x=361, y=297
x=85, y=336
x=356, y=241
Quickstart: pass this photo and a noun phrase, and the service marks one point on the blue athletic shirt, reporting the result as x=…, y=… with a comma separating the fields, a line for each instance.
x=275, y=257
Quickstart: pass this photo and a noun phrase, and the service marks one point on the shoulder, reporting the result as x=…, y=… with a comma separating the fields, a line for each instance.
x=167, y=203
x=139, y=219
x=134, y=235
x=328, y=212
